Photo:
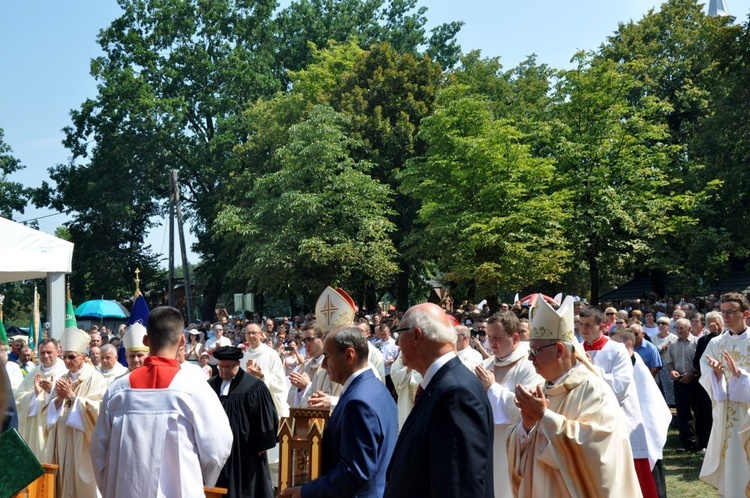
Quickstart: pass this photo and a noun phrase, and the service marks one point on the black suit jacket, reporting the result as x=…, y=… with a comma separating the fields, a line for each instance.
x=445, y=446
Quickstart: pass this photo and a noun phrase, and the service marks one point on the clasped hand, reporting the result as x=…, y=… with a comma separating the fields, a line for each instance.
x=532, y=405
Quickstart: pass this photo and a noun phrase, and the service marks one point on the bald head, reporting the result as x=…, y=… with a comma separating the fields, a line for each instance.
x=427, y=334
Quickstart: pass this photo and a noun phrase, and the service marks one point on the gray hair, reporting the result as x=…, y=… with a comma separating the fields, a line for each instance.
x=432, y=328
x=108, y=348
x=715, y=315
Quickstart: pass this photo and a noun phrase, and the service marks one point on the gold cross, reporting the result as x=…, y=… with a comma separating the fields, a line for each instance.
x=328, y=309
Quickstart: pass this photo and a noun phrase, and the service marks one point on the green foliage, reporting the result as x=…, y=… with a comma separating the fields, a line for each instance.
x=319, y=220
x=490, y=215
x=613, y=155
x=13, y=195
x=307, y=25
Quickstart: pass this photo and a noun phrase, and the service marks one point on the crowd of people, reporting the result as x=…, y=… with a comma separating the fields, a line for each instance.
x=549, y=398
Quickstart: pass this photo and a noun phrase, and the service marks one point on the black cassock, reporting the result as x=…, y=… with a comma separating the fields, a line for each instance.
x=255, y=425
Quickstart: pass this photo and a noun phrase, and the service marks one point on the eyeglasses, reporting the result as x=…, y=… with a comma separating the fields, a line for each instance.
x=730, y=312
x=70, y=357
x=610, y=314
x=305, y=340
x=534, y=352
x=659, y=324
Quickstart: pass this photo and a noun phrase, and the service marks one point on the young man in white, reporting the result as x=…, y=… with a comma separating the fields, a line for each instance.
x=508, y=367
x=161, y=430
x=725, y=368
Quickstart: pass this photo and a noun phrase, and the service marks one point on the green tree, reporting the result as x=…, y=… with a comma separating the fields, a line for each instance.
x=612, y=154
x=309, y=24
x=13, y=194
x=318, y=220
x=680, y=55
x=490, y=217
x=173, y=81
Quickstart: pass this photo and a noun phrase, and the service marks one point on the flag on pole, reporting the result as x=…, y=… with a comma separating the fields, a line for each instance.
x=70, y=315
x=34, y=323
x=3, y=333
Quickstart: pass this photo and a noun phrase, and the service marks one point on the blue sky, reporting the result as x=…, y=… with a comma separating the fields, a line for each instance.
x=47, y=46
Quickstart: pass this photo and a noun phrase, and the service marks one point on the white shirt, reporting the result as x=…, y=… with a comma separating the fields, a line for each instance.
x=436, y=365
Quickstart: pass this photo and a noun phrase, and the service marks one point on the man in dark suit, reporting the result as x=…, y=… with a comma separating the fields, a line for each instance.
x=445, y=446
x=360, y=435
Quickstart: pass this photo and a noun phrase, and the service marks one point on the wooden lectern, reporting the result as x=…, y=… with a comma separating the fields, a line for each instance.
x=300, y=451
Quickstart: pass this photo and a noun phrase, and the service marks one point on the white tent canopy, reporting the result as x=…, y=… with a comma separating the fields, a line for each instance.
x=26, y=254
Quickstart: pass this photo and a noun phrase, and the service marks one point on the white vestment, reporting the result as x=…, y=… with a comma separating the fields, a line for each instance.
x=655, y=413
x=510, y=371
x=406, y=382
x=470, y=357
x=32, y=426
x=273, y=375
x=319, y=381
x=14, y=374
x=725, y=465
x=579, y=448
x=375, y=357
x=165, y=443
x=70, y=429
x=110, y=375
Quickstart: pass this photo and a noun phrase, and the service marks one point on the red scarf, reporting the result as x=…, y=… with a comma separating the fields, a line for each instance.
x=598, y=344
x=156, y=373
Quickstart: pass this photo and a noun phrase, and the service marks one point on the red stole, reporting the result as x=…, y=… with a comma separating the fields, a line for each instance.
x=598, y=345
x=156, y=373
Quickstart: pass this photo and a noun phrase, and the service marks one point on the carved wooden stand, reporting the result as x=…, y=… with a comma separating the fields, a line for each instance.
x=300, y=438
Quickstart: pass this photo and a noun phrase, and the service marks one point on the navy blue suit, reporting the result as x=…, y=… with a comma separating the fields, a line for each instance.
x=357, y=442
x=445, y=446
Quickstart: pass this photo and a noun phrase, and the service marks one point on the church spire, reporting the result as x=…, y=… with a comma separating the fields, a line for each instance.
x=718, y=8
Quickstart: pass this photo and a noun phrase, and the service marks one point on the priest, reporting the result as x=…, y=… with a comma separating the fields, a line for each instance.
x=71, y=411
x=254, y=423
x=571, y=440
x=109, y=367
x=32, y=394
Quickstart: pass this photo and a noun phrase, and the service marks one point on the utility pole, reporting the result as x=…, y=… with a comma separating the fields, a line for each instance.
x=170, y=293
x=183, y=250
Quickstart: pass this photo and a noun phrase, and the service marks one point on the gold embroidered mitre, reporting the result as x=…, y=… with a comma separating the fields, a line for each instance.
x=548, y=323
x=334, y=308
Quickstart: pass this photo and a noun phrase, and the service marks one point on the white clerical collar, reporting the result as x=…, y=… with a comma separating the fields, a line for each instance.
x=46, y=370
x=318, y=361
x=436, y=365
x=74, y=375
x=224, y=391
x=564, y=376
x=354, y=376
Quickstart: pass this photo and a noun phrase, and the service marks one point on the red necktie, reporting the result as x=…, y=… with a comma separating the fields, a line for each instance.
x=420, y=390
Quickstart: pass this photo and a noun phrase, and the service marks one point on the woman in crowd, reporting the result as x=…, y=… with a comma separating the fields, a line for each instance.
x=195, y=347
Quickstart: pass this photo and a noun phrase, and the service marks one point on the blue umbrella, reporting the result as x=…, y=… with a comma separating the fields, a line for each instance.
x=101, y=308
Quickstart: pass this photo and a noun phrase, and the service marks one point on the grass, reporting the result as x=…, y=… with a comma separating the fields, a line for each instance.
x=682, y=470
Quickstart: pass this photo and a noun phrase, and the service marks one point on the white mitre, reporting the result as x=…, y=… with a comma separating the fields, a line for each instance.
x=133, y=339
x=74, y=339
x=548, y=323
x=334, y=308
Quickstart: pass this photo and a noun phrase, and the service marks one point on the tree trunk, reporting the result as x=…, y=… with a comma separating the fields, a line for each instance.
x=402, y=297
x=210, y=297
x=593, y=275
